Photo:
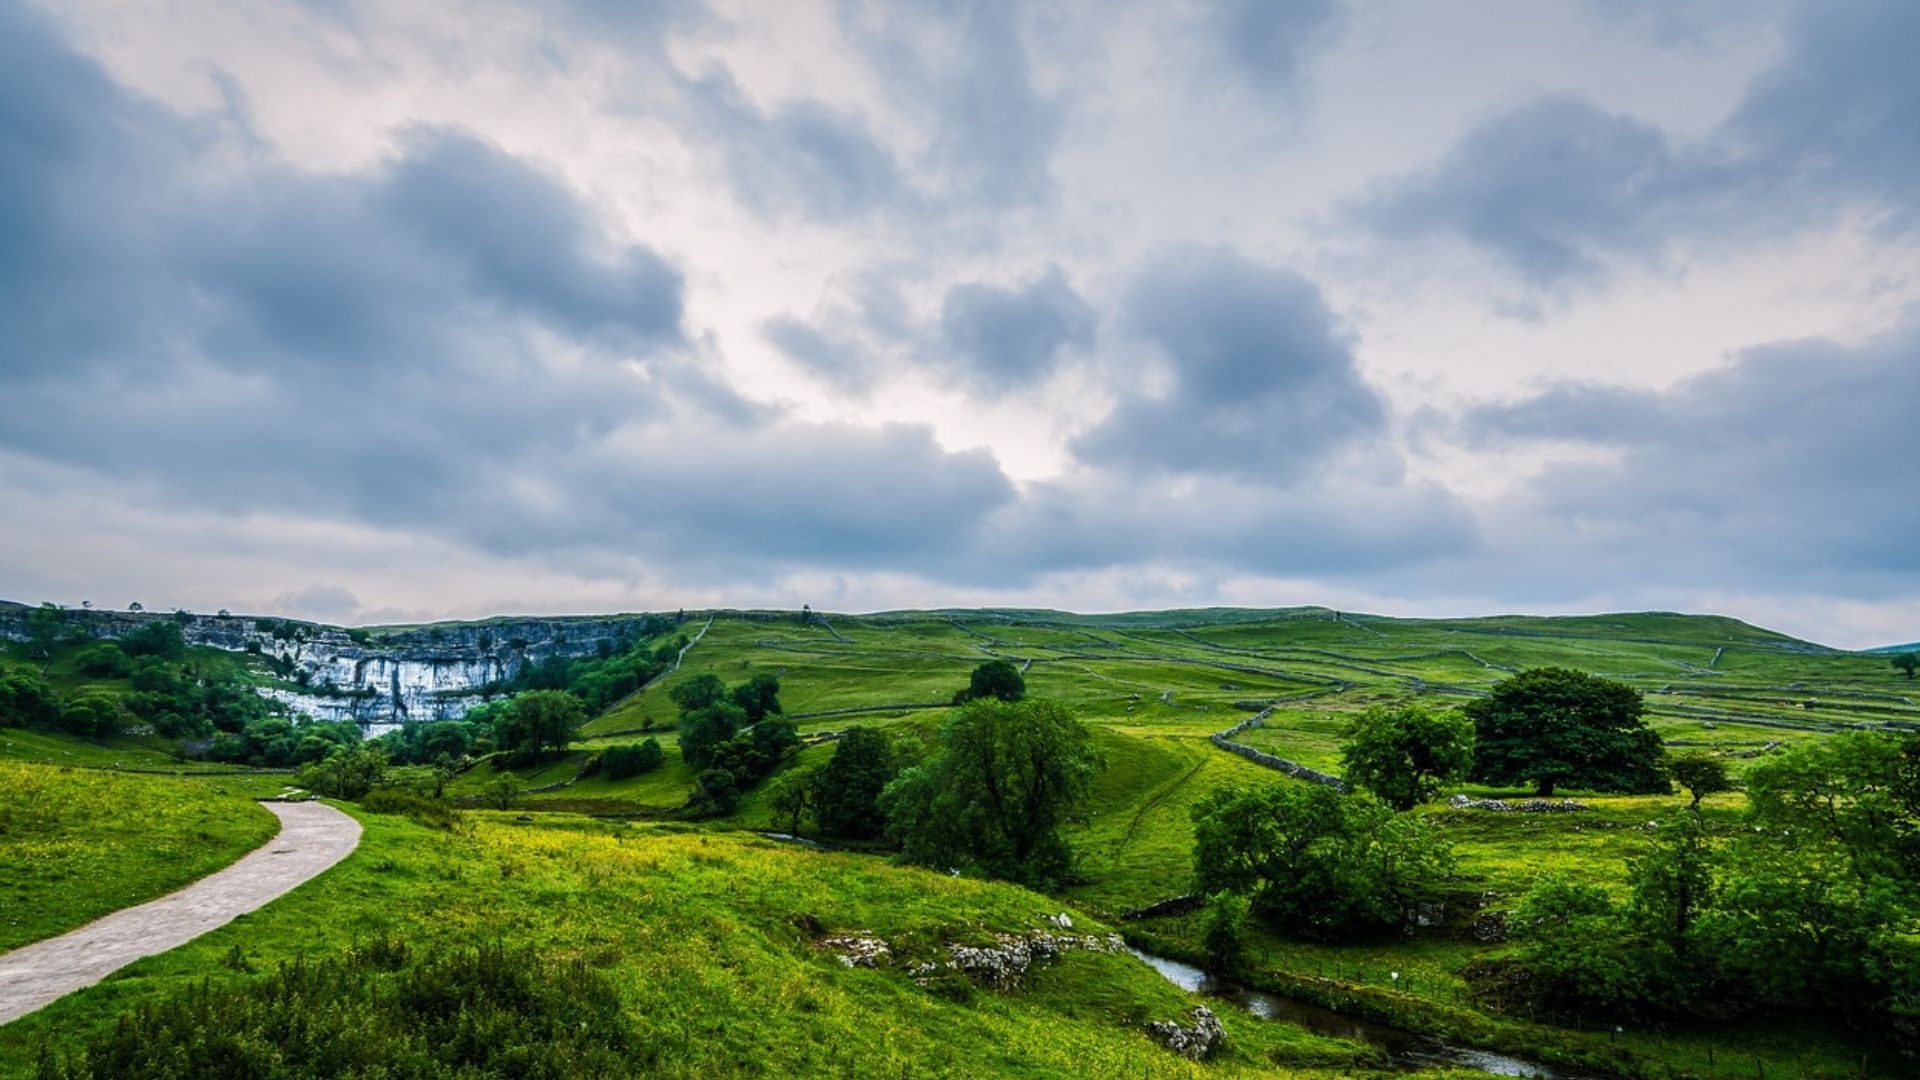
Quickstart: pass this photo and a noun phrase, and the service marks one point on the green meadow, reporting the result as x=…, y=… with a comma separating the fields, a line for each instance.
x=708, y=932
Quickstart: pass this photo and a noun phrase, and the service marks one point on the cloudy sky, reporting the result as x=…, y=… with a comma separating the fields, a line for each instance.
x=365, y=311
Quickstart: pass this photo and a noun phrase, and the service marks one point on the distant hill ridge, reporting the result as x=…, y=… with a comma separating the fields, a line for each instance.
x=1642, y=625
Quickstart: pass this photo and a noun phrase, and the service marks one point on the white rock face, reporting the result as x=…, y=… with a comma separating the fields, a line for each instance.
x=380, y=690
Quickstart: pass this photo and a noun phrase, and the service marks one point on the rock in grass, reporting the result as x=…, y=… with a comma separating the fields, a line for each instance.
x=1195, y=1042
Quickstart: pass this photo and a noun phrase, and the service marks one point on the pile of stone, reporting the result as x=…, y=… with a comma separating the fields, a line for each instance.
x=860, y=949
x=1195, y=1042
x=1525, y=806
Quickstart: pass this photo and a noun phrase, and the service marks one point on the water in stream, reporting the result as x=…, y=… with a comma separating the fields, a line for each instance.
x=1403, y=1048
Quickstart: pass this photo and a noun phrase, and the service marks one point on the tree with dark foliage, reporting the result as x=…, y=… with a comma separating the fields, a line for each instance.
x=1550, y=727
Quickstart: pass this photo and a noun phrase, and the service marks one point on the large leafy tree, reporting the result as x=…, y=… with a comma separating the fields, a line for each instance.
x=758, y=697
x=1315, y=861
x=997, y=679
x=1550, y=727
x=1403, y=755
x=846, y=790
x=994, y=793
x=541, y=720
x=1907, y=663
x=702, y=691
x=703, y=730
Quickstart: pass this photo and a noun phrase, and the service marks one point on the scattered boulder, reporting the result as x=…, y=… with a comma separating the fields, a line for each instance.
x=1195, y=1042
x=1491, y=927
x=1062, y=920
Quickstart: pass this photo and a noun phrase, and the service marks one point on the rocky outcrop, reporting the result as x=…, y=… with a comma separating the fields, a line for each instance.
x=1194, y=1042
x=1003, y=965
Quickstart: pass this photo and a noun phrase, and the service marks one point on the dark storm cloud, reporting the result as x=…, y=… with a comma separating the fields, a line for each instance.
x=1793, y=464
x=1261, y=379
x=1558, y=188
x=1010, y=337
x=801, y=156
x=444, y=342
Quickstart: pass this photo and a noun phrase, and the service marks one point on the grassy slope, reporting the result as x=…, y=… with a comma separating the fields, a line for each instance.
x=77, y=844
x=1157, y=687
x=707, y=935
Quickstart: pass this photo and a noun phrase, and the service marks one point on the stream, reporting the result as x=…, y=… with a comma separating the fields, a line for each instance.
x=1403, y=1048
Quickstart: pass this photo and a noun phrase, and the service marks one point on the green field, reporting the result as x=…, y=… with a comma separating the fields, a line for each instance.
x=76, y=844
x=698, y=925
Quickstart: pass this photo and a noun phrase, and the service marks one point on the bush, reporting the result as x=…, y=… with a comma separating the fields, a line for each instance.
x=715, y=792
x=621, y=762
x=103, y=661
x=378, y=1012
x=26, y=699
x=94, y=716
x=410, y=803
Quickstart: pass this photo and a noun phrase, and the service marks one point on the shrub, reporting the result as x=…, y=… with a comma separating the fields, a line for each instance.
x=621, y=762
x=715, y=792
x=378, y=1012
x=408, y=802
x=26, y=699
x=103, y=661
x=94, y=716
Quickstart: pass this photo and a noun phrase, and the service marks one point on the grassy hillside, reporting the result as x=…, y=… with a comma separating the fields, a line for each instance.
x=76, y=844
x=699, y=928
x=713, y=944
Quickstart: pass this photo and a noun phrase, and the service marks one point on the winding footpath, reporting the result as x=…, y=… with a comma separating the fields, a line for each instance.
x=313, y=836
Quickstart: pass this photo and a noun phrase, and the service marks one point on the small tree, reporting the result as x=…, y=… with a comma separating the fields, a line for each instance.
x=846, y=799
x=1672, y=883
x=993, y=679
x=347, y=773
x=43, y=629
x=503, y=792
x=1552, y=726
x=1403, y=755
x=1223, y=932
x=714, y=793
x=1701, y=775
x=790, y=795
x=1907, y=663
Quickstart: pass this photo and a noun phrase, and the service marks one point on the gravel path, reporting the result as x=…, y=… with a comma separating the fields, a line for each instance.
x=313, y=836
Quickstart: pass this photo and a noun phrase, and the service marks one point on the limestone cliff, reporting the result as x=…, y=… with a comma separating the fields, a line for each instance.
x=375, y=676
